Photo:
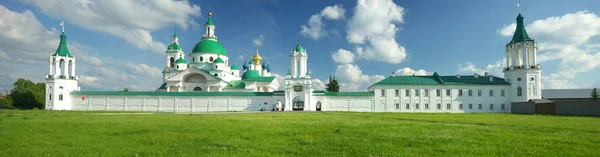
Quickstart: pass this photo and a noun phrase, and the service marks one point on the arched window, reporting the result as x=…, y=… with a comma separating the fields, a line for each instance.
x=397, y=106
x=439, y=106
x=417, y=106
x=172, y=62
x=178, y=67
x=210, y=59
x=50, y=96
x=519, y=91
x=61, y=66
x=216, y=74
x=407, y=106
x=231, y=73
x=70, y=72
x=201, y=58
x=193, y=59
x=216, y=67
x=197, y=89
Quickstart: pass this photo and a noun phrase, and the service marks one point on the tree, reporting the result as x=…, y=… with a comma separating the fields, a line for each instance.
x=595, y=94
x=5, y=102
x=333, y=85
x=28, y=95
x=125, y=90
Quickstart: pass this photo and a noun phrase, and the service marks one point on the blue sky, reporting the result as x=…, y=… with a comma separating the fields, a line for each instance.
x=123, y=48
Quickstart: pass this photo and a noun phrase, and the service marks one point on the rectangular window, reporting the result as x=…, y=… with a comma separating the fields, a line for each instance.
x=397, y=93
x=382, y=93
x=460, y=92
x=460, y=106
x=438, y=92
x=417, y=92
x=407, y=92
x=447, y=92
x=60, y=97
x=407, y=106
x=448, y=106
x=439, y=106
x=426, y=106
x=397, y=106
x=502, y=93
x=417, y=106
x=480, y=106
x=470, y=92
x=502, y=107
x=478, y=92
x=491, y=92
x=470, y=106
x=491, y=107
x=426, y=92
x=297, y=88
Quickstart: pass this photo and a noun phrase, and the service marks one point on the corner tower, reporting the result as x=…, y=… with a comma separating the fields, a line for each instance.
x=522, y=70
x=61, y=79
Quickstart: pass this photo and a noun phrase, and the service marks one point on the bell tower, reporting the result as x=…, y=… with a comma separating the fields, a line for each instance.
x=522, y=70
x=298, y=84
x=61, y=79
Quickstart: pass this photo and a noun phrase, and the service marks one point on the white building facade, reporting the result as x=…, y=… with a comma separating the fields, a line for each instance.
x=206, y=82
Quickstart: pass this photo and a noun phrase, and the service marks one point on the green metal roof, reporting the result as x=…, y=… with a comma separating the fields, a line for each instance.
x=62, y=49
x=209, y=22
x=435, y=79
x=180, y=60
x=250, y=74
x=251, y=62
x=163, y=86
x=261, y=79
x=289, y=72
x=233, y=67
x=207, y=45
x=299, y=48
x=520, y=33
x=148, y=93
x=346, y=94
x=236, y=84
x=174, y=46
x=218, y=60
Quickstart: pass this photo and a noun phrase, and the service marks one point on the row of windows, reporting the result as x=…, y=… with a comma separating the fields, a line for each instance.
x=448, y=106
x=438, y=92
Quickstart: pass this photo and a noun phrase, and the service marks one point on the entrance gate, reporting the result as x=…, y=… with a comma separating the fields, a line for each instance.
x=298, y=104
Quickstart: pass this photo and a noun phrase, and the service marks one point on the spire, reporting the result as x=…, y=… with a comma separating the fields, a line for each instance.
x=520, y=32
x=62, y=49
x=175, y=32
x=209, y=22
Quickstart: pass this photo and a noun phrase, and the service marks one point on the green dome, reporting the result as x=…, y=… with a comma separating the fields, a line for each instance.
x=219, y=60
x=233, y=67
x=299, y=48
x=174, y=47
x=209, y=46
x=250, y=74
x=251, y=62
x=209, y=22
x=180, y=60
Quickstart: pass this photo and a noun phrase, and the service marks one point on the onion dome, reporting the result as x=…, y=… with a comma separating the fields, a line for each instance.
x=62, y=49
x=175, y=44
x=264, y=65
x=209, y=46
x=180, y=60
x=233, y=67
x=219, y=60
x=257, y=57
x=251, y=62
x=268, y=67
x=250, y=74
x=245, y=66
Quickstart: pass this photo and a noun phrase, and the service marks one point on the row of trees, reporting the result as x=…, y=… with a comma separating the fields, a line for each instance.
x=24, y=95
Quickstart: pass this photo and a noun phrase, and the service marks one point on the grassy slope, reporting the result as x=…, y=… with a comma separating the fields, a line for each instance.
x=41, y=133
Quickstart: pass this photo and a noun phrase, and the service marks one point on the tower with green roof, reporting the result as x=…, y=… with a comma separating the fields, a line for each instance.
x=298, y=83
x=522, y=70
x=174, y=57
x=61, y=79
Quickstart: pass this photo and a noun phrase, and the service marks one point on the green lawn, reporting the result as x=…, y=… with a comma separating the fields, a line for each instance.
x=51, y=133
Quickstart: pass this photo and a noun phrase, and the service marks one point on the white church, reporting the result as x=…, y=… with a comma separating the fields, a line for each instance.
x=207, y=82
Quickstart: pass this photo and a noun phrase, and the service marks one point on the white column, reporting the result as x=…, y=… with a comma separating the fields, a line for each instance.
x=66, y=69
x=294, y=67
x=507, y=58
x=168, y=89
x=73, y=69
x=51, y=72
x=534, y=58
x=57, y=71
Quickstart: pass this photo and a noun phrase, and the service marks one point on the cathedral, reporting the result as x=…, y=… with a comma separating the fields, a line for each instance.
x=207, y=82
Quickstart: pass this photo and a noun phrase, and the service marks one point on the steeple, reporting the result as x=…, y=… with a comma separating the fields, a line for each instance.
x=520, y=33
x=210, y=27
x=175, y=44
x=62, y=49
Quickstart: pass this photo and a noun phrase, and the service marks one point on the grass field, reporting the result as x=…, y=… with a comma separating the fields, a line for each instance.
x=50, y=133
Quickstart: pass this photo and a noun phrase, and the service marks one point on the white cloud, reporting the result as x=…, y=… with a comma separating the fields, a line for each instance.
x=572, y=39
x=408, y=71
x=373, y=28
x=131, y=20
x=343, y=56
x=318, y=84
x=351, y=78
x=258, y=41
x=492, y=69
x=315, y=27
